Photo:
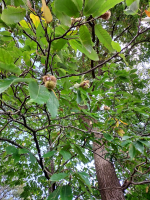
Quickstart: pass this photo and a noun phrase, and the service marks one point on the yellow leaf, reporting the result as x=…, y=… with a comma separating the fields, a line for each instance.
x=35, y=19
x=117, y=123
x=47, y=13
x=147, y=189
x=120, y=132
x=24, y=24
x=147, y=13
x=123, y=122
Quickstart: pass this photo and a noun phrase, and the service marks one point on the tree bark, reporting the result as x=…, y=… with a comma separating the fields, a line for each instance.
x=108, y=182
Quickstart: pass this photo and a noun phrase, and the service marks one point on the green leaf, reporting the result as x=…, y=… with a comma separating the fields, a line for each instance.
x=5, y=83
x=76, y=45
x=92, y=6
x=139, y=146
x=66, y=193
x=146, y=143
x=52, y=104
x=49, y=154
x=16, y=157
x=107, y=136
x=106, y=6
x=81, y=155
x=103, y=37
x=55, y=194
x=67, y=7
x=6, y=62
x=124, y=58
x=10, y=68
x=38, y=93
x=85, y=177
x=13, y=15
x=66, y=155
x=133, y=8
x=32, y=158
x=58, y=177
x=58, y=44
x=11, y=150
x=129, y=2
x=116, y=46
x=85, y=38
x=132, y=151
x=23, y=151
x=78, y=3
x=64, y=19
x=125, y=143
x=79, y=98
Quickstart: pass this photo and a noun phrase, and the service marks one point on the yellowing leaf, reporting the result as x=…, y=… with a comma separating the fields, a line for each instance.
x=47, y=13
x=120, y=132
x=24, y=24
x=117, y=123
x=123, y=122
x=147, y=13
x=147, y=189
x=35, y=19
x=30, y=6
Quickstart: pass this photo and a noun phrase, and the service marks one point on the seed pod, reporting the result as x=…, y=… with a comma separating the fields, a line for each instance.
x=50, y=81
x=106, y=108
x=106, y=15
x=85, y=84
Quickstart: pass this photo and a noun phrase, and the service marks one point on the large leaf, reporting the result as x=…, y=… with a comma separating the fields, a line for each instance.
x=85, y=38
x=92, y=6
x=58, y=44
x=133, y=8
x=58, y=177
x=116, y=46
x=64, y=19
x=66, y=155
x=81, y=155
x=103, y=37
x=67, y=7
x=106, y=6
x=129, y=2
x=54, y=195
x=66, y=193
x=13, y=15
x=52, y=104
x=38, y=93
x=85, y=177
x=76, y=45
x=6, y=62
x=11, y=149
x=32, y=158
x=10, y=68
x=139, y=146
x=78, y=3
x=47, y=13
x=132, y=151
x=5, y=83
x=49, y=154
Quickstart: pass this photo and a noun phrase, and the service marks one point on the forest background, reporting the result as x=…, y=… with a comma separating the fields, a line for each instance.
x=85, y=135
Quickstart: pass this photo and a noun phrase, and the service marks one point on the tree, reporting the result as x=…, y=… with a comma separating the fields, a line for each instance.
x=99, y=109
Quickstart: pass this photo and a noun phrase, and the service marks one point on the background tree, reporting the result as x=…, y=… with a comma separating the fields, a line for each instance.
x=98, y=110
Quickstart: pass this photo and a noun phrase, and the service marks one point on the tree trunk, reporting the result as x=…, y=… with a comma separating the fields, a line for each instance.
x=108, y=182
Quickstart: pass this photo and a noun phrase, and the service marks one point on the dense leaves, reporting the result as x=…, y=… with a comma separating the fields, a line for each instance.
x=47, y=135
